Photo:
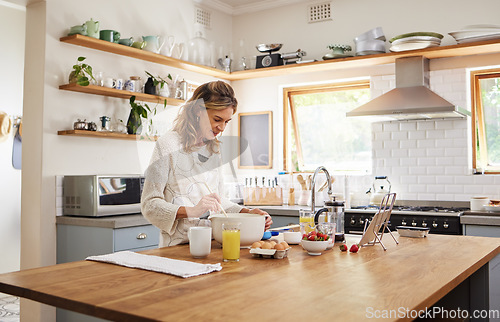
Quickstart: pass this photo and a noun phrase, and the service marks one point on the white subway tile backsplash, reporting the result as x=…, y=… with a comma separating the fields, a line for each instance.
x=399, y=135
x=429, y=159
x=408, y=144
x=425, y=125
x=408, y=126
x=435, y=170
x=454, y=189
x=391, y=144
x=416, y=135
x=427, y=180
x=418, y=153
x=435, y=134
x=445, y=161
x=434, y=152
x=408, y=162
x=426, y=143
x=444, y=125
x=391, y=126
x=444, y=180
x=417, y=170
x=425, y=161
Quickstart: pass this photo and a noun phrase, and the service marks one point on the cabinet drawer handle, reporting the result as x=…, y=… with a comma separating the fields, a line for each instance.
x=142, y=236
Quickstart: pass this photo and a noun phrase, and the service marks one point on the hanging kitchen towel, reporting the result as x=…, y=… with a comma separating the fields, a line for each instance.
x=157, y=264
x=17, y=150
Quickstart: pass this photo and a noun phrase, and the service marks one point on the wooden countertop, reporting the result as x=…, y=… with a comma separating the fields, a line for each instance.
x=336, y=285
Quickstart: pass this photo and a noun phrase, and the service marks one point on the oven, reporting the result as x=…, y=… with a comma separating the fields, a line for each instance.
x=439, y=217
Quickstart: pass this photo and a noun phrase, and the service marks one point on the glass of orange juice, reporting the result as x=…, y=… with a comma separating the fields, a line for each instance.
x=306, y=221
x=231, y=241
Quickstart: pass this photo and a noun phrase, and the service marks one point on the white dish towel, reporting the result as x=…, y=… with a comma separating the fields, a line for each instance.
x=157, y=264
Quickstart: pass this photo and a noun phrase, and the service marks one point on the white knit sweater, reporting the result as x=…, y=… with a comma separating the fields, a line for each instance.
x=177, y=178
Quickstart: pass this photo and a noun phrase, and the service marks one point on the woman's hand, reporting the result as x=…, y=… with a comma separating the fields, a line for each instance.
x=269, y=220
x=209, y=202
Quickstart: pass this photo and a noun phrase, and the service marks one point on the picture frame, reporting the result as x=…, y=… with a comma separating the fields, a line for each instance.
x=255, y=140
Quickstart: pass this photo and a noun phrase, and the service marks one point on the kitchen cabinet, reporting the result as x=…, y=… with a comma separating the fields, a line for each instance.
x=78, y=238
x=484, y=225
x=466, y=49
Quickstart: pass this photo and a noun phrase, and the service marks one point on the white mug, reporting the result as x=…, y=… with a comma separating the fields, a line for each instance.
x=109, y=82
x=478, y=203
x=200, y=241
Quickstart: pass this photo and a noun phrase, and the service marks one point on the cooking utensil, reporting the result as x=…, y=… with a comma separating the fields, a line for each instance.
x=302, y=182
x=220, y=206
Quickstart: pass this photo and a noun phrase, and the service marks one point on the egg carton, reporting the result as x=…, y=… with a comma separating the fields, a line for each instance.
x=269, y=253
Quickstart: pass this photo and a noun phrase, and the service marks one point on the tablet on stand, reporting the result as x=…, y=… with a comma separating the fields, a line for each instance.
x=374, y=229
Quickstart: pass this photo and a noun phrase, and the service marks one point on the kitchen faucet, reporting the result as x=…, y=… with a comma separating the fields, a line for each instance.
x=328, y=179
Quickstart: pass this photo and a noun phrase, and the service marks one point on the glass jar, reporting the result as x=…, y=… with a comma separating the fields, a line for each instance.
x=199, y=50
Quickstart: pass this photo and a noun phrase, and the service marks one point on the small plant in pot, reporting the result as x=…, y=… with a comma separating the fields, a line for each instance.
x=137, y=111
x=156, y=85
x=81, y=73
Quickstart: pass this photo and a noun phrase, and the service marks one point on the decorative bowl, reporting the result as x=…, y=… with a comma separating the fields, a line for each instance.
x=267, y=48
x=292, y=237
x=314, y=247
x=251, y=229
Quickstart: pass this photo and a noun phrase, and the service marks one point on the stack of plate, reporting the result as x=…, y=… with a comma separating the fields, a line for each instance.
x=370, y=42
x=415, y=40
x=476, y=33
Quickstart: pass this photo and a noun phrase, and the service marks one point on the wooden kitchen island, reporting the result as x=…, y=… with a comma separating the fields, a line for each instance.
x=413, y=275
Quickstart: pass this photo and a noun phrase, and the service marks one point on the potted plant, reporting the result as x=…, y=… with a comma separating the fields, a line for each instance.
x=339, y=49
x=137, y=111
x=81, y=73
x=157, y=83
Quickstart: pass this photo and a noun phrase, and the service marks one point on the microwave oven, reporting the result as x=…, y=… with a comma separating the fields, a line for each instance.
x=101, y=195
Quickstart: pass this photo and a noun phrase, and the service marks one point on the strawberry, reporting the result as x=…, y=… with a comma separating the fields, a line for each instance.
x=354, y=248
x=311, y=238
x=343, y=247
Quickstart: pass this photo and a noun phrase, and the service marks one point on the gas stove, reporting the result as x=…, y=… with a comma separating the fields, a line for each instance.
x=440, y=217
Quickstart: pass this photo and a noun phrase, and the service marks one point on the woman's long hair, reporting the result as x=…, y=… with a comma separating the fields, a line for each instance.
x=216, y=95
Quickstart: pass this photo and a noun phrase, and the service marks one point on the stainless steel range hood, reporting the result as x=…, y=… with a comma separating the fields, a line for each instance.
x=411, y=99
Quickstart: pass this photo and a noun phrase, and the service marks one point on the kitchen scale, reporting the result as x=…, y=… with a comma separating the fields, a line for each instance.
x=269, y=59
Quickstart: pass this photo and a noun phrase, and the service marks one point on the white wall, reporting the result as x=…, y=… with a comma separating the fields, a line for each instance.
x=48, y=65
x=289, y=25
x=12, y=18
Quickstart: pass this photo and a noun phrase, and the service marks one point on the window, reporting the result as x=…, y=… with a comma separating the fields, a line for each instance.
x=485, y=95
x=317, y=132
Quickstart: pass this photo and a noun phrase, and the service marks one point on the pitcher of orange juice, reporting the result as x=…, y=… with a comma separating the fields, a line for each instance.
x=231, y=241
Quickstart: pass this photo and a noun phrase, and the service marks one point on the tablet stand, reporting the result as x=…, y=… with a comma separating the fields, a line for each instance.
x=374, y=230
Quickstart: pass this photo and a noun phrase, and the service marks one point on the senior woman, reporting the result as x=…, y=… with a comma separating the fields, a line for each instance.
x=185, y=161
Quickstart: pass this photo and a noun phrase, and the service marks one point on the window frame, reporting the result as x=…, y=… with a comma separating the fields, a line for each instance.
x=477, y=120
x=288, y=110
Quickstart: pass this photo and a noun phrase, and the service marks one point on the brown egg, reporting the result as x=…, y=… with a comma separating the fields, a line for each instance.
x=285, y=244
x=267, y=246
x=273, y=243
x=256, y=245
x=279, y=247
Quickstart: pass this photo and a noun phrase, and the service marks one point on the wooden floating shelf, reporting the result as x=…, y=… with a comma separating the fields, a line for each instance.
x=467, y=49
x=111, y=92
x=108, y=135
x=123, y=50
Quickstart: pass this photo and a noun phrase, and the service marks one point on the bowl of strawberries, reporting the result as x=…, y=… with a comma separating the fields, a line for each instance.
x=315, y=242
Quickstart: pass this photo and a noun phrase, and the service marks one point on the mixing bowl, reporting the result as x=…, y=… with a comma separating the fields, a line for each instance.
x=251, y=229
